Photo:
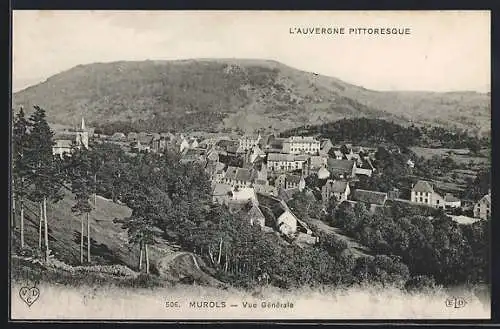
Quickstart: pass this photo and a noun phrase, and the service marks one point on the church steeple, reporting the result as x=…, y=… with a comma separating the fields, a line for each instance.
x=83, y=124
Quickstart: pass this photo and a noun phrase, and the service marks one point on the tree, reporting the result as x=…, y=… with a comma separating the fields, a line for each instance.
x=20, y=166
x=82, y=185
x=45, y=173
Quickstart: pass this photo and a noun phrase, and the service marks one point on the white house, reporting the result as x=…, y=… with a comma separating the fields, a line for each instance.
x=323, y=173
x=482, y=209
x=423, y=192
x=244, y=194
x=184, y=145
x=249, y=141
x=450, y=201
x=299, y=145
x=338, y=188
x=285, y=162
x=363, y=171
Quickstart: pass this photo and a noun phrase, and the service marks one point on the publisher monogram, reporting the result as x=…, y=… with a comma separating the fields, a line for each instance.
x=456, y=302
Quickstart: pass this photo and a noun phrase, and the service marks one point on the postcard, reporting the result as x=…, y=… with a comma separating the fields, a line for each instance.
x=250, y=165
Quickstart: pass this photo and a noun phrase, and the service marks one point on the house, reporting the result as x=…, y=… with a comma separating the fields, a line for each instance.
x=158, y=145
x=410, y=163
x=239, y=177
x=278, y=162
x=222, y=193
x=262, y=176
x=323, y=173
x=259, y=187
x=315, y=162
x=300, y=145
x=145, y=139
x=64, y=141
x=244, y=194
x=252, y=213
x=184, y=145
x=286, y=181
x=338, y=188
x=341, y=168
x=192, y=155
x=118, y=137
x=450, y=201
x=62, y=144
x=325, y=147
x=275, y=145
x=256, y=153
x=215, y=170
x=482, y=209
x=338, y=155
x=393, y=194
x=423, y=193
x=138, y=146
x=371, y=198
x=279, y=216
x=132, y=136
x=249, y=141
x=363, y=171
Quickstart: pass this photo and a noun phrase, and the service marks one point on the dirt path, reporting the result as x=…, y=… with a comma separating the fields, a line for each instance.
x=184, y=265
x=357, y=249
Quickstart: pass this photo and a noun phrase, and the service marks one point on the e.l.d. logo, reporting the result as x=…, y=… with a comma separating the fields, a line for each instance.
x=456, y=302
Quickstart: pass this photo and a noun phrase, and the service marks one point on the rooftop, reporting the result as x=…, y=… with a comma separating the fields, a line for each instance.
x=372, y=197
x=286, y=157
x=337, y=186
x=423, y=186
x=450, y=198
x=302, y=139
x=337, y=165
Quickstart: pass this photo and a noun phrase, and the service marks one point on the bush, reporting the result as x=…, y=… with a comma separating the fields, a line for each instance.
x=421, y=284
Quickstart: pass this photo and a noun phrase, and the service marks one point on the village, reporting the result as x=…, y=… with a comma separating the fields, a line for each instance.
x=257, y=175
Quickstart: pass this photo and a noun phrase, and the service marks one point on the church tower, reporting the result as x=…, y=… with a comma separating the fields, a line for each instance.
x=82, y=135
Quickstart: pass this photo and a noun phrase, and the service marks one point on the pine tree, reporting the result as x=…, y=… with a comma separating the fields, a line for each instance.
x=79, y=174
x=20, y=166
x=45, y=174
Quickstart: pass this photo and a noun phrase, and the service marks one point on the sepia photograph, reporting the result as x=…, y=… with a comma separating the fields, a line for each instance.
x=250, y=165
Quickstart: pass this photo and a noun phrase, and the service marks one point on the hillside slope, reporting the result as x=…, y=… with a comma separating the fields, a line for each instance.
x=233, y=93
x=109, y=242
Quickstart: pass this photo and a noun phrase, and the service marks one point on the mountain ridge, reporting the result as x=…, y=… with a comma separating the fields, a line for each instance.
x=245, y=94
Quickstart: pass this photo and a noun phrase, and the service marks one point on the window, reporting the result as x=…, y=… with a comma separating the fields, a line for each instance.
x=426, y=201
x=437, y=201
x=421, y=199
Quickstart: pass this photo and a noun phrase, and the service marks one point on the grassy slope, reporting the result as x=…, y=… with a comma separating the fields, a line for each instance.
x=109, y=243
x=248, y=94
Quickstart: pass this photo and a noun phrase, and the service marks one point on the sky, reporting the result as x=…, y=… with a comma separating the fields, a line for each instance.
x=445, y=51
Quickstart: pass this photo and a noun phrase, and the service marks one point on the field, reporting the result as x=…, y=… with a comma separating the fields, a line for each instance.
x=110, y=302
x=460, y=156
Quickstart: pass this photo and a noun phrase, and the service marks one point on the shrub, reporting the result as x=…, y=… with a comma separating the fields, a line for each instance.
x=420, y=283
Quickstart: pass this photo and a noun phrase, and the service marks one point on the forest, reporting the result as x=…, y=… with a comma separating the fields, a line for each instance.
x=377, y=131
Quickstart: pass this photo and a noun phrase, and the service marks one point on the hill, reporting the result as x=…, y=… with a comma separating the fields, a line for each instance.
x=233, y=93
x=109, y=243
